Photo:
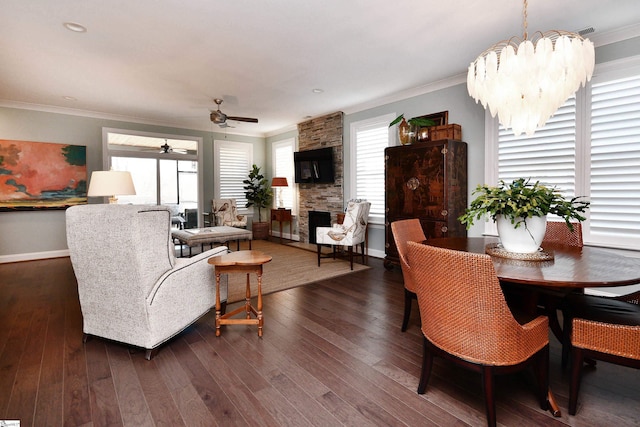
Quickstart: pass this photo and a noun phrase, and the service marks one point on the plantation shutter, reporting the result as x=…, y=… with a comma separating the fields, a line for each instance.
x=548, y=156
x=283, y=160
x=370, y=141
x=615, y=161
x=234, y=163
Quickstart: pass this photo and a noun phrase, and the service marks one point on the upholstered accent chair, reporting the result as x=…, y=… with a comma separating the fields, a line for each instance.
x=225, y=212
x=132, y=288
x=465, y=319
x=349, y=234
x=404, y=231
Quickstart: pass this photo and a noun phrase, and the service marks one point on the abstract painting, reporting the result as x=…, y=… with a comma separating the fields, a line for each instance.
x=41, y=175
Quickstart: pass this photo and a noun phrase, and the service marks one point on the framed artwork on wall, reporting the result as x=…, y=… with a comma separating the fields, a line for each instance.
x=41, y=175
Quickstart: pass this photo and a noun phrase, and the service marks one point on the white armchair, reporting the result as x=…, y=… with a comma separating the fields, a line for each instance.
x=131, y=286
x=225, y=212
x=350, y=233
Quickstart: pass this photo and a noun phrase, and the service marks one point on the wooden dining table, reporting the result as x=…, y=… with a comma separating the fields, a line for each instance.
x=569, y=268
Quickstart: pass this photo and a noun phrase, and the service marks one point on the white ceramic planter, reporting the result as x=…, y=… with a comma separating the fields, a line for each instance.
x=524, y=240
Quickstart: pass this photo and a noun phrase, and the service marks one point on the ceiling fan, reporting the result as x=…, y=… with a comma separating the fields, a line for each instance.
x=166, y=149
x=220, y=118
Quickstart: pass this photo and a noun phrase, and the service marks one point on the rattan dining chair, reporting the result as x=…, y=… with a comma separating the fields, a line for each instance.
x=465, y=318
x=615, y=343
x=406, y=230
x=558, y=232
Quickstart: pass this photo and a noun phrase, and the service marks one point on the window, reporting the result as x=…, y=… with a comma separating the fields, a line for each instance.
x=369, y=139
x=590, y=147
x=233, y=162
x=164, y=168
x=282, y=155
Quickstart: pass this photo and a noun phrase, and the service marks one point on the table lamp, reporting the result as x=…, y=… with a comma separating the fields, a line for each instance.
x=111, y=184
x=279, y=181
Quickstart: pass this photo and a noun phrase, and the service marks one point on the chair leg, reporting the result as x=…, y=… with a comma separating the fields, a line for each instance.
x=566, y=339
x=319, y=250
x=541, y=367
x=576, y=374
x=150, y=353
x=427, y=364
x=488, y=389
x=351, y=256
x=408, y=297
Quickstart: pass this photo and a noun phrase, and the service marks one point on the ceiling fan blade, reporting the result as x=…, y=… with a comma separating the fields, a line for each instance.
x=242, y=119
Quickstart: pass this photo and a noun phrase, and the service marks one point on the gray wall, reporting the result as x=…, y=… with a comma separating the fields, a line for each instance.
x=31, y=235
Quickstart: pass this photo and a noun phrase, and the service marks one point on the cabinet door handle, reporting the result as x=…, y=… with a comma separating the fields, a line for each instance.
x=413, y=183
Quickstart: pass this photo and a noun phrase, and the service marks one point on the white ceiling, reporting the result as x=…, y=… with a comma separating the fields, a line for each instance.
x=163, y=61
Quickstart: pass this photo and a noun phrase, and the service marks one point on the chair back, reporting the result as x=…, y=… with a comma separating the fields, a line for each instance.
x=355, y=221
x=225, y=211
x=406, y=230
x=118, y=253
x=191, y=218
x=559, y=233
x=463, y=308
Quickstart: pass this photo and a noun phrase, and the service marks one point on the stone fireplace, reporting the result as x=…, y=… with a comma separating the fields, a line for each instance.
x=321, y=132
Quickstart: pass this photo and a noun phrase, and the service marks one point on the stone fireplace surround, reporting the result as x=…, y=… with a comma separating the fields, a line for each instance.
x=321, y=132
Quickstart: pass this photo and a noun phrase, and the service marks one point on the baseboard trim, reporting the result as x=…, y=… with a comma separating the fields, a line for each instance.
x=33, y=256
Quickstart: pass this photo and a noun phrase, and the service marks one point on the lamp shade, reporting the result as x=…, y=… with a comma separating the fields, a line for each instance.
x=279, y=181
x=110, y=184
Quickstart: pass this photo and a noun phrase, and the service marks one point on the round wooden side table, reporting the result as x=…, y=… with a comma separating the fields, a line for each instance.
x=240, y=262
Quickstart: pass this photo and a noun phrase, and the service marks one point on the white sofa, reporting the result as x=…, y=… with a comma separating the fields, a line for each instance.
x=132, y=288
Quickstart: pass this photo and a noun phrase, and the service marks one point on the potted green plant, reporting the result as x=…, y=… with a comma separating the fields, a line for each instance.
x=408, y=129
x=258, y=194
x=522, y=205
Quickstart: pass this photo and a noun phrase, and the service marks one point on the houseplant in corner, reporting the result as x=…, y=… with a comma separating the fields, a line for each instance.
x=258, y=194
x=521, y=207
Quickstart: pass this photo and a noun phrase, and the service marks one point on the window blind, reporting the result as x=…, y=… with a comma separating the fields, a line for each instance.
x=234, y=164
x=548, y=156
x=283, y=161
x=615, y=160
x=370, y=141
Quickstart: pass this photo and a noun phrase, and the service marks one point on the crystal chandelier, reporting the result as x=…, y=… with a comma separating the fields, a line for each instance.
x=525, y=81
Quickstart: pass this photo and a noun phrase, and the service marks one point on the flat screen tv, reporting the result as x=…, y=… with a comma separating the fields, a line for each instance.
x=314, y=166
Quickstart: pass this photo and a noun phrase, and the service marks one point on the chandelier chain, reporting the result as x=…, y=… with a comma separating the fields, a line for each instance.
x=524, y=19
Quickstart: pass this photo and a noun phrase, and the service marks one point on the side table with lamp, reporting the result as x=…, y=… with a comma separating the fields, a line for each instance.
x=281, y=214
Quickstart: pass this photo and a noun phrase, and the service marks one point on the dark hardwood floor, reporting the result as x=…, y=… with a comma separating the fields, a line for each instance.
x=332, y=354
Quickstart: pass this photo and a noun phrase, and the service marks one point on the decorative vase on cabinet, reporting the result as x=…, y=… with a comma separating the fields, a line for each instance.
x=427, y=181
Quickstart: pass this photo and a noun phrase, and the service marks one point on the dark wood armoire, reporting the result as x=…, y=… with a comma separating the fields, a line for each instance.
x=428, y=181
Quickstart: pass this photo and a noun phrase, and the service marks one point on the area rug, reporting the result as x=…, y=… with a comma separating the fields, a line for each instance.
x=289, y=268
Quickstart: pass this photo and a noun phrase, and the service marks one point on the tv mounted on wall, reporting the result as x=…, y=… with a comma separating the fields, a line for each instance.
x=314, y=166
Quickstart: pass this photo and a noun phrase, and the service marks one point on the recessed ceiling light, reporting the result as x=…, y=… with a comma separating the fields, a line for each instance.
x=77, y=28
x=317, y=91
